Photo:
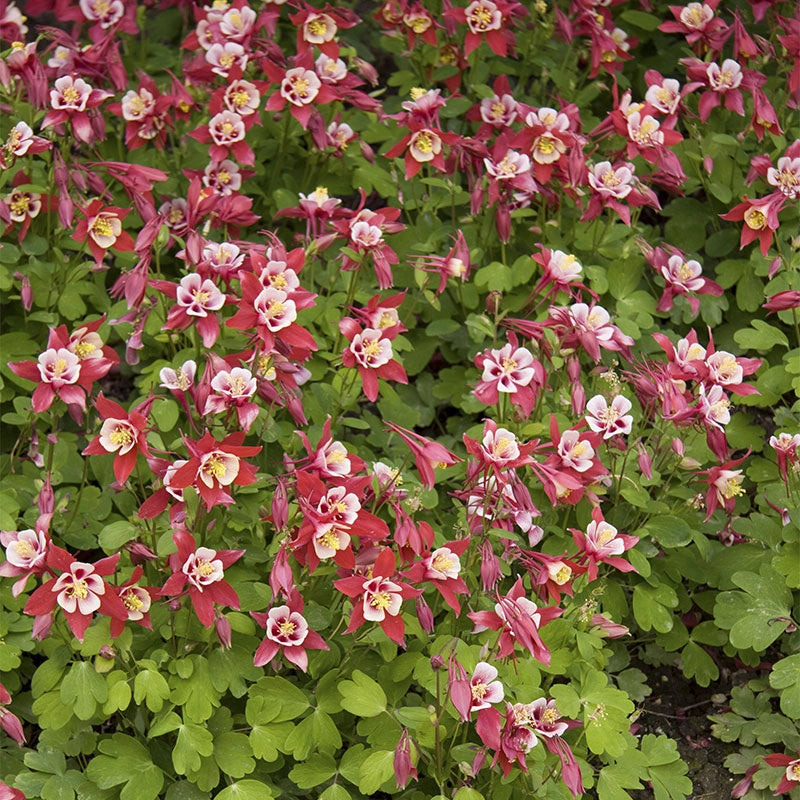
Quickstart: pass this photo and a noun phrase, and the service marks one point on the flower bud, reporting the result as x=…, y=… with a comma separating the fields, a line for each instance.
x=493, y=302
x=403, y=768
x=678, y=447
x=41, y=626
x=424, y=614
x=12, y=726
x=223, y=629
x=437, y=662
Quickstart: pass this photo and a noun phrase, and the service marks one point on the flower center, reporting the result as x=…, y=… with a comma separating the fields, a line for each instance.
x=102, y=227
x=204, y=568
x=381, y=600
x=317, y=27
x=24, y=549
x=287, y=628
x=132, y=602
x=300, y=85
x=733, y=487
x=215, y=467
x=226, y=59
x=330, y=539
x=84, y=349
x=20, y=205
x=442, y=563
x=481, y=18
x=71, y=95
x=424, y=143
x=120, y=436
x=479, y=691
x=755, y=219
x=550, y=716
x=78, y=590
x=200, y=296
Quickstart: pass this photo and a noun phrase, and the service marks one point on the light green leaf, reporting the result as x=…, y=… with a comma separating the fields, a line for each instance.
x=118, y=533
x=127, y=761
x=314, y=771
x=670, y=531
x=280, y=693
x=193, y=742
x=83, y=689
x=245, y=790
x=151, y=687
x=757, y=616
x=362, y=696
x=785, y=676
x=376, y=769
x=698, y=664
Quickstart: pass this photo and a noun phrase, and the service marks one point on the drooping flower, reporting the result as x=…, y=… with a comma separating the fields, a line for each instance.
x=370, y=352
x=427, y=453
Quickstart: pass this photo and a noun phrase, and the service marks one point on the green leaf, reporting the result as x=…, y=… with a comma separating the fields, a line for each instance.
x=494, y=276
x=193, y=742
x=185, y=790
x=126, y=761
x=362, y=696
x=652, y=607
x=647, y=22
x=290, y=701
x=82, y=688
x=151, y=687
x=764, y=338
x=757, y=616
x=118, y=533
x=670, y=531
x=245, y=790
x=234, y=754
x=314, y=771
x=785, y=676
x=166, y=724
x=165, y=412
x=376, y=769
x=119, y=692
x=266, y=740
x=335, y=792
x=698, y=664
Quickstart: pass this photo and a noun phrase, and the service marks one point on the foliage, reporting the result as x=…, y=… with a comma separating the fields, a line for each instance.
x=382, y=390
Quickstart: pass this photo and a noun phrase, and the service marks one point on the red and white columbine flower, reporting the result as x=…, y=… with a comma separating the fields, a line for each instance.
x=512, y=370
x=197, y=300
x=603, y=543
x=234, y=390
x=610, y=420
x=102, y=229
x=379, y=598
x=68, y=368
x=287, y=633
x=26, y=552
x=80, y=591
x=484, y=687
x=122, y=433
x=370, y=351
x=199, y=571
x=70, y=100
x=214, y=466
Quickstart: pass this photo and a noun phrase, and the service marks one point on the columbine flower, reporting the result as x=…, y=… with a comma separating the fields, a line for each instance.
x=197, y=300
x=370, y=351
x=609, y=420
x=200, y=572
x=760, y=219
x=484, y=687
x=427, y=454
x=380, y=599
x=69, y=100
x=287, y=633
x=512, y=370
x=214, y=466
x=80, y=591
x=26, y=552
x=791, y=777
x=122, y=433
x=603, y=543
x=234, y=390
x=102, y=229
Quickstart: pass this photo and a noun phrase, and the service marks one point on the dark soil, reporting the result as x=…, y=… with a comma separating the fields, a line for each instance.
x=679, y=708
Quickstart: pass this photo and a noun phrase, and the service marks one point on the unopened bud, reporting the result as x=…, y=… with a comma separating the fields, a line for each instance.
x=437, y=662
x=678, y=447
x=223, y=629
x=493, y=302
x=708, y=164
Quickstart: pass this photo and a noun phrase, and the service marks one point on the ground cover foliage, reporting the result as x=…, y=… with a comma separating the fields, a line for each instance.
x=387, y=388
